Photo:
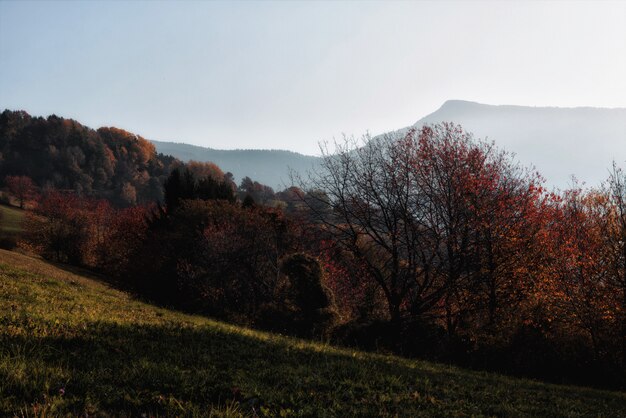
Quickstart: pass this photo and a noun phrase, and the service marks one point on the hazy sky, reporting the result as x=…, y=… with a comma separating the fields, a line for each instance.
x=289, y=74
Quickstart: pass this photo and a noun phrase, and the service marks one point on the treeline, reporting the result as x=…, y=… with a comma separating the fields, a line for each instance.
x=62, y=154
x=39, y=154
x=432, y=244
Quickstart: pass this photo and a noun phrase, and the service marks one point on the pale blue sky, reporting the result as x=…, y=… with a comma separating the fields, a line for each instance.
x=289, y=74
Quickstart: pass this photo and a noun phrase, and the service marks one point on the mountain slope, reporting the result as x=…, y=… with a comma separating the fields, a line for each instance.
x=559, y=142
x=70, y=344
x=269, y=167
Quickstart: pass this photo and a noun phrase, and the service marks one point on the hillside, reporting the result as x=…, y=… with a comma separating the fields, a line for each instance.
x=269, y=167
x=559, y=142
x=70, y=344
x=61, y=153
x=10, y=219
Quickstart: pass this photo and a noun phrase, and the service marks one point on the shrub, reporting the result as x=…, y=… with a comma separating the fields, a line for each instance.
x=312, y=303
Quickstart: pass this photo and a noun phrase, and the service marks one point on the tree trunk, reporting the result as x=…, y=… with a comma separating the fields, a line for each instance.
x=623, y=331
x=493, y=305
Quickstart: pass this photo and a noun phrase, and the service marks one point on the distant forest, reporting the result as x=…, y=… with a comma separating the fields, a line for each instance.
x=62, y=154
x=270, y=167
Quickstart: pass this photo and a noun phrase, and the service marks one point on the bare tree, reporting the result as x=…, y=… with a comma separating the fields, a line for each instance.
x=615, y=238
x=418, y=210
x=375, y=214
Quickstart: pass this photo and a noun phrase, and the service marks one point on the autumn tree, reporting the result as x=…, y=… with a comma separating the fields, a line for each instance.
x=120, y=239
x=579, y=297
x=425, y=214
x=213, y=256
x=370, y=190
x=205, y=169
x=22, y=187
x=184, y=185
x=614, y=234
x=65, y=227
x=508, y=206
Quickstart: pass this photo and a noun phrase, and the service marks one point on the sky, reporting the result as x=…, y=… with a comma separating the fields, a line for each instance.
x=287, y=75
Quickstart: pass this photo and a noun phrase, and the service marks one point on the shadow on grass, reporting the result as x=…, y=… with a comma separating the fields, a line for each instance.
x=172, y=370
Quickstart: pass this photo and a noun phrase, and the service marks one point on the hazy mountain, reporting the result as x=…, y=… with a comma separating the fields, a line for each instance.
x=269, y=167
x=559, y=142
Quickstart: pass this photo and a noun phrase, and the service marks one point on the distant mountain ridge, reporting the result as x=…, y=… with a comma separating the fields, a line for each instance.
x=559, y=142
x=269, y=167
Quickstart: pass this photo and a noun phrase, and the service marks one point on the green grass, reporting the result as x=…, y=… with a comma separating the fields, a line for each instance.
x=11, y=220
x=111, y=355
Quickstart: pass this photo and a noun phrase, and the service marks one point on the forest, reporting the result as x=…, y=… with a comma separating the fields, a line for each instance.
x=430, y=244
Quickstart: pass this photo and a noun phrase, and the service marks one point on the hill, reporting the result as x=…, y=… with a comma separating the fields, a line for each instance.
x=269, y=167
x=126, y=168
x=70, y=344
x=559, y=142
x=61, y=153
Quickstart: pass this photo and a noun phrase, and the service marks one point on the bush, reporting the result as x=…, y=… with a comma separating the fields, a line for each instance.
x=302, y=305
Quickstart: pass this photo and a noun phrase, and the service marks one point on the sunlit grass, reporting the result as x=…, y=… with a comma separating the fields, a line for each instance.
x=72, y=345
x=11, y=220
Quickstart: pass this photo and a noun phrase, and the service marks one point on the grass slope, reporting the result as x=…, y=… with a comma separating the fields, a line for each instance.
x=71, y=345
x=11, y=219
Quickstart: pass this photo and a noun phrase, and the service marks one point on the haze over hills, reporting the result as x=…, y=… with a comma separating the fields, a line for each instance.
x=559, y=142
x=269, y=167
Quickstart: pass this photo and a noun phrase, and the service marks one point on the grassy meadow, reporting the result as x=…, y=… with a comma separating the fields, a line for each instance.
x=11, y=219
x=71, y=345
x=11, y=225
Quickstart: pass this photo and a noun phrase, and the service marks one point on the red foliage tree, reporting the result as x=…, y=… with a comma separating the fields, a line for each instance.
x=22, y=187
x=613, y=231
x=83, y=231
x=431, y=217
x=575, y=292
